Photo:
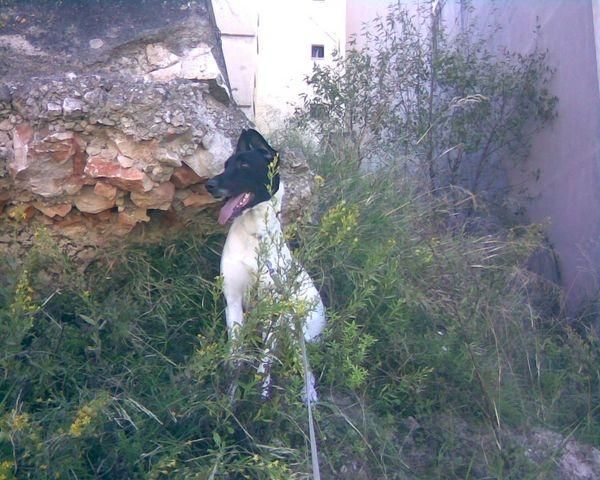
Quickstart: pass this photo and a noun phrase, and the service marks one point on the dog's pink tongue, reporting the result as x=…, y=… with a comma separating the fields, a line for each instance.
x=228, y=209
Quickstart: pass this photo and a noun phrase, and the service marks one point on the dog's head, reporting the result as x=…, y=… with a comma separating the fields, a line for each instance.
x=251, y=176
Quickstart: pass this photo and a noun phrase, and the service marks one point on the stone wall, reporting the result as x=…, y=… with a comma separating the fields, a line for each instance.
x=112, y=116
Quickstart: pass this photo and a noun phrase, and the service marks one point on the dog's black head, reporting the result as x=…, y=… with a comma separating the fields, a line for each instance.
x=251, y=176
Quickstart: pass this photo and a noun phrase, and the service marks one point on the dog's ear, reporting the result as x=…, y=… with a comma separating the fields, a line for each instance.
x=252, y=140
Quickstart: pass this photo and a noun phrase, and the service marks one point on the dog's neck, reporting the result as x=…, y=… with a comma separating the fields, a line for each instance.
x=262, y=217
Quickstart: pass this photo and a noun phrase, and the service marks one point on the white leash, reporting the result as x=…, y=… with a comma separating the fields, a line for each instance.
x=314, y=454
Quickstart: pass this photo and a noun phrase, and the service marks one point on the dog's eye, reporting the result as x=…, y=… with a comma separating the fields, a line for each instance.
x=244, y=165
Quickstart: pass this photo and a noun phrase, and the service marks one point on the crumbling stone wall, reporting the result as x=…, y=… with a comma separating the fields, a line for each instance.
x=113, y=114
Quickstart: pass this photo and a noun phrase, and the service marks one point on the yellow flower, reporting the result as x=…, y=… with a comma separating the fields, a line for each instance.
x=6, y=470
x=19, y=421
x=82, y=420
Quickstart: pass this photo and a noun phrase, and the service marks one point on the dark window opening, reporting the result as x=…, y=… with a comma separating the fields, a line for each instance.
x=317, y=51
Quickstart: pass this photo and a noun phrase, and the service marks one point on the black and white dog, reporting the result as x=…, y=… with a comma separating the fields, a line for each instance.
x=255, y=252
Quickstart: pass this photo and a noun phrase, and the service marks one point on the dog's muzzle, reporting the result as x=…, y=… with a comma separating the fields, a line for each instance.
x=212, y=187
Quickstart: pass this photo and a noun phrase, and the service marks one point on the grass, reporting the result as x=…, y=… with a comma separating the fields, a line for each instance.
x=435, y=362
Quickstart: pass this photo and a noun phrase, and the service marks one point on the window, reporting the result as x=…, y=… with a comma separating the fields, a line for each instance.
x=317, y=51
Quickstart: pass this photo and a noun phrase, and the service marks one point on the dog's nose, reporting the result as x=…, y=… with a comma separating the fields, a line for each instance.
x=211, y=186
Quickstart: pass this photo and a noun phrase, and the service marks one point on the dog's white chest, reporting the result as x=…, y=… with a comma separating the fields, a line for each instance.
x=239, y=252
x=251, y=236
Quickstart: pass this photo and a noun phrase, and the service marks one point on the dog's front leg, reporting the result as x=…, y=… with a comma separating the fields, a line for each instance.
x=264, y=369
x=268, y=355
x=235, y=283
x=234, y=316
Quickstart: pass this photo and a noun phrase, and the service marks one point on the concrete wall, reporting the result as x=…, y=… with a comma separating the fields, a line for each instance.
x=567, y=153
x=359, y=12
x=267, y=50
x=237, y=21
x=287, y=30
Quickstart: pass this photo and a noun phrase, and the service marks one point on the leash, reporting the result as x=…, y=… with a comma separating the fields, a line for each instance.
x=314, y=453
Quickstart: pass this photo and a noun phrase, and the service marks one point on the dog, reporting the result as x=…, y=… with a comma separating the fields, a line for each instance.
x=255, y=252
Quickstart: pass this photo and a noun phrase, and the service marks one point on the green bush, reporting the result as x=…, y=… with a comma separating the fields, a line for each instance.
x=450, y=109
x=120, y=372
x=431, y=321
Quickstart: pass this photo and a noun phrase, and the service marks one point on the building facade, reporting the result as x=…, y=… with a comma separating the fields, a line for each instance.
x=270, y=47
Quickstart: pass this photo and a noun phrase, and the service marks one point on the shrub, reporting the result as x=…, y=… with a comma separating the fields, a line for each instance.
x=430, y=322
x=448, y=108
x=123, y=371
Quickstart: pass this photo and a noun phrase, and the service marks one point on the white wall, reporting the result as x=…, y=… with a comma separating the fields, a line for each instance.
x=237, y=21
x=359, y=12
x=267, y=50
x=567, y=153
x=286, y=31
